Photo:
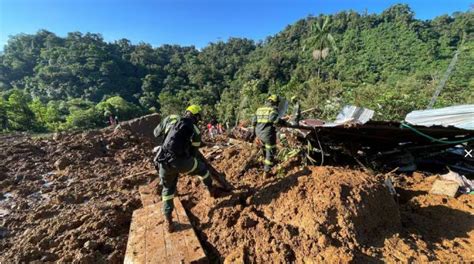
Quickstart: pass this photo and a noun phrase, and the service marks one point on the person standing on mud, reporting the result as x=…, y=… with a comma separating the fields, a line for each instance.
x=264, y=127
x=178, y=155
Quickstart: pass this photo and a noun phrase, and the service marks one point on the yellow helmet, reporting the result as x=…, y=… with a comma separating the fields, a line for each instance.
x=194, y=109
x=273, y=98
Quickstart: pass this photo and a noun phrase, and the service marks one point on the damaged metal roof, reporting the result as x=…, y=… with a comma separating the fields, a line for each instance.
x=460, y=116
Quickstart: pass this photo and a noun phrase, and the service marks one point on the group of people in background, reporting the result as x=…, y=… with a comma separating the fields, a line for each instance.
x=214, y=128
x=111, y=119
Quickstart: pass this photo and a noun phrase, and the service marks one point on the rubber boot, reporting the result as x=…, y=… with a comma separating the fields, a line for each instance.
x=169, y=223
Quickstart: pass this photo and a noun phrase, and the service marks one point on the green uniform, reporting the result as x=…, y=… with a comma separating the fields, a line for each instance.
x=178, y=156
x=164, y=127
x=264, y=123
x=169, y=173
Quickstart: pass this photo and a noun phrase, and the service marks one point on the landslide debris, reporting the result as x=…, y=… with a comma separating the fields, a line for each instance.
x=327, y=214
x=67, y=198
x=64, y=198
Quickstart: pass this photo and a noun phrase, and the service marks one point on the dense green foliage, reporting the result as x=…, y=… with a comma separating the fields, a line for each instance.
x=390, y=62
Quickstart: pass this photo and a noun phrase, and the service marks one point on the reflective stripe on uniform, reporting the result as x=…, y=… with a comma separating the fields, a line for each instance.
x=196, y=144
x=172, y=120
x=268, y=162
x=202, y=178
x=196, y=130
x=194, y=166
x=268, y=146
x=170, y=124
x=165, y=198
x=263, y=114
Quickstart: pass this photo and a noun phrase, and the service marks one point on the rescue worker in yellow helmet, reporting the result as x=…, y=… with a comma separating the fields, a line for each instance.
x=264, y=125
x=177, y=155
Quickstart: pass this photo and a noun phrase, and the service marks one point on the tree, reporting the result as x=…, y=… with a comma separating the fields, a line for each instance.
x=83, y=119
x=376, y=53
x=118, y=107
x=3, y=115
x=321, y=39
x=170, y=104
x=20, y=116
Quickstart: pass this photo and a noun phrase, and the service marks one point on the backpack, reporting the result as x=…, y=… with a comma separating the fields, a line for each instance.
x=164, y=127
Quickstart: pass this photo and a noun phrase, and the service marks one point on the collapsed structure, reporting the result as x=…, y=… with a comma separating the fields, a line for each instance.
x=429, y=139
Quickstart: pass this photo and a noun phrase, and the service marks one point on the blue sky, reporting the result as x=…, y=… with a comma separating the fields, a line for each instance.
x=186, y=22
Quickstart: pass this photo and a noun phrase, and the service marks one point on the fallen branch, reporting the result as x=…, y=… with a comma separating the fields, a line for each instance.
x=302, y=112
x=139, y=173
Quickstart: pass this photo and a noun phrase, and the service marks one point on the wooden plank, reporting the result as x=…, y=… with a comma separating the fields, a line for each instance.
x=174, y=244
x=449, y=188
x=155, y=242
x=135, y=248
x=194, y=253
x=149, y=242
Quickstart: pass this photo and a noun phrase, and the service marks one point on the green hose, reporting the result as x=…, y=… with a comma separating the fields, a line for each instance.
x=435, y=139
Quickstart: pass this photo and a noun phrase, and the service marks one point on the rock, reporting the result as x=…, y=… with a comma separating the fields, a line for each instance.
x=57, y=136
x=90, y=245
x=115, y=257
x=34, y=239
x=62, y=163
x=48, y=256
x=84, y=258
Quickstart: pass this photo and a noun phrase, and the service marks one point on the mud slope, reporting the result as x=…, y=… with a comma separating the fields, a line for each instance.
x=67, y=199
x=64, y=199
x=327, y=214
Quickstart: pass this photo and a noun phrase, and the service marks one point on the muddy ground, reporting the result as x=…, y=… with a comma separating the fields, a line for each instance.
x=69, y=198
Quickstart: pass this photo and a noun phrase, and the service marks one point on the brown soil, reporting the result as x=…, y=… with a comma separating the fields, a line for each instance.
x=68, y=199
x=78, y=213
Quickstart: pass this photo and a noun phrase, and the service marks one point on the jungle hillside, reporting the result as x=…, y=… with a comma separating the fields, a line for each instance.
x=390, y=62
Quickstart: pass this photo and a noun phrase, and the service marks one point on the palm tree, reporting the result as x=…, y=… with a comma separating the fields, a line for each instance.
x=321, y=40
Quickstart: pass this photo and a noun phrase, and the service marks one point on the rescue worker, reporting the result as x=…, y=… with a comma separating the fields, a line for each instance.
x=178, y=155
x=264, y=127
x=296, y=115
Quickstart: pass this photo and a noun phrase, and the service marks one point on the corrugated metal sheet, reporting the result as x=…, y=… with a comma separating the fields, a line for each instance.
x=351, y=114
x=460, y=116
